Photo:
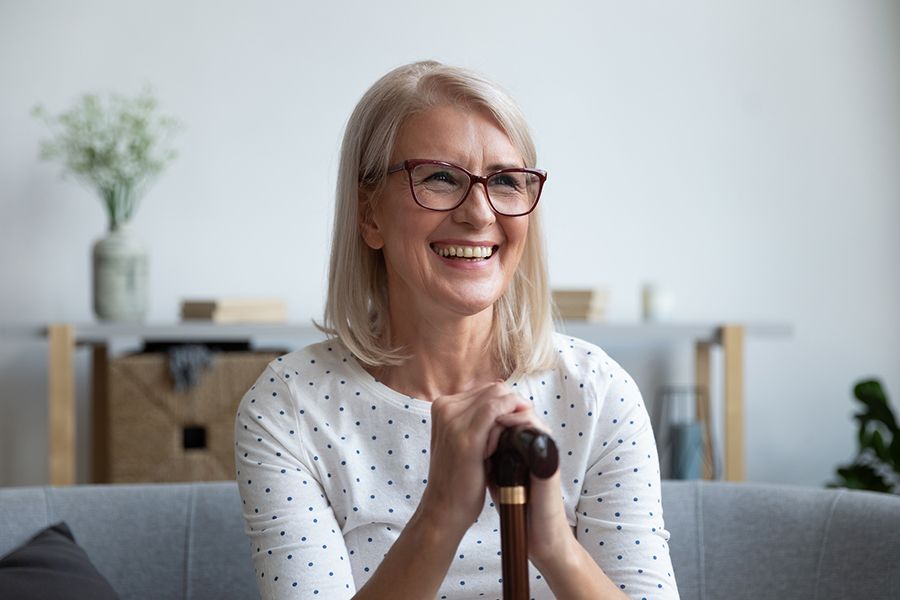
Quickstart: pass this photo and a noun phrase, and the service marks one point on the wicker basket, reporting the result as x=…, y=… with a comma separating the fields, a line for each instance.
x=158, y=434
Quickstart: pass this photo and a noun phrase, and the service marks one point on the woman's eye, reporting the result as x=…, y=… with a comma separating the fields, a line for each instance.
x=441, y=177
x=510, y=181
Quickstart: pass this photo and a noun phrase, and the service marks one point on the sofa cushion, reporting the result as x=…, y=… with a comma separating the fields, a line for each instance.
x=52, y=565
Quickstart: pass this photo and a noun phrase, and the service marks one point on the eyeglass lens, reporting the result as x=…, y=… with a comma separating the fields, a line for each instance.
x=442, y=187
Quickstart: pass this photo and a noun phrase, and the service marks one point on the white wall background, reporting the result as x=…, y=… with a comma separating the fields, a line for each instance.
x=745, y=155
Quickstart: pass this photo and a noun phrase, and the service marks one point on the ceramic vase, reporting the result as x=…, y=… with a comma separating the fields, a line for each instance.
x=119, y=274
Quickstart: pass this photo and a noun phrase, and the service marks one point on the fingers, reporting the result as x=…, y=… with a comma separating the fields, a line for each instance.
x=474, y=413
x=497, y=384
x=523, y=417
x=489, y=402
x=466, y=421
x=459, y=402
x=461, y=425
x=493, y=438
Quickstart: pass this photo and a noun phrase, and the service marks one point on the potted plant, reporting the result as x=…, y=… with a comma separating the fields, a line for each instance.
x=117, y=146
x=877, y=464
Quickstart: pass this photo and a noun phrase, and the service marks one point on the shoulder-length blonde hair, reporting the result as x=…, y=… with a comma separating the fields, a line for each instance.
x=357, y=308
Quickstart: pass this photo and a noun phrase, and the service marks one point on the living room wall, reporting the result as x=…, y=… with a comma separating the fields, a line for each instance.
x=743, y=155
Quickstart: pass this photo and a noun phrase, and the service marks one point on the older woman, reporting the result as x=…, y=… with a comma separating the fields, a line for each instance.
x=361, y=460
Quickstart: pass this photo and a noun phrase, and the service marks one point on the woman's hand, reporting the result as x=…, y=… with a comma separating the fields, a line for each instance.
x=460, y=427
x=548, y=529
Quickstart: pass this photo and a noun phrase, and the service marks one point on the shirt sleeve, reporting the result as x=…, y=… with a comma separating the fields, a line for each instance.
x=296, y=544
x=619, y=517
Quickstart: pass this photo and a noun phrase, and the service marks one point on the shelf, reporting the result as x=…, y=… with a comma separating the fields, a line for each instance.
x=641, y=333
x=609, y=333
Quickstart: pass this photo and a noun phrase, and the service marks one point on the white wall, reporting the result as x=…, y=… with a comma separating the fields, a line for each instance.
x=745, y=154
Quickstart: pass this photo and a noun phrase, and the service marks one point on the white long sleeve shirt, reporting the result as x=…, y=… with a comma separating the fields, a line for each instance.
x=331, y=465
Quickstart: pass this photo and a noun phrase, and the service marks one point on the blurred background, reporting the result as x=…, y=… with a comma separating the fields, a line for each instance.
x=742, y=156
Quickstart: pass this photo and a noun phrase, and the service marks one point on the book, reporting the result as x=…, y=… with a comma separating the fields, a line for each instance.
x=235, y=310
x=574, y=296
x=584, y=304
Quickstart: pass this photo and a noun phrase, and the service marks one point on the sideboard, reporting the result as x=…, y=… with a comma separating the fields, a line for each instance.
x=98, y=338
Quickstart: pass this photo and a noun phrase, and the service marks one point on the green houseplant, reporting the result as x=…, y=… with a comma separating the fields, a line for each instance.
x=117, y=146
x=877, y=464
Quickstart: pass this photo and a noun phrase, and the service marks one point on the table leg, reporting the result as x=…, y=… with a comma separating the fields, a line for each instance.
x=733, y=356
x=61, y=409
x=99, y=414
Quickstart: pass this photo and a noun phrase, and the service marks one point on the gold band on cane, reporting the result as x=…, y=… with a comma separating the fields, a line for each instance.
x=514, y=494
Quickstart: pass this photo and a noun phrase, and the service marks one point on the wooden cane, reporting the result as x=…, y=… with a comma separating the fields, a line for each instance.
x=521, y=451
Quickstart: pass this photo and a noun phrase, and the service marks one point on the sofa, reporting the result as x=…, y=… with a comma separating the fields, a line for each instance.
x=729, y=540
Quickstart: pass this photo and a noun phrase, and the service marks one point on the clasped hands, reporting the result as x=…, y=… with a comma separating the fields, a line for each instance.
x=465, y=430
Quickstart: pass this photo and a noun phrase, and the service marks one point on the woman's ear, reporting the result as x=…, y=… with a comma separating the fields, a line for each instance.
x=368, y=225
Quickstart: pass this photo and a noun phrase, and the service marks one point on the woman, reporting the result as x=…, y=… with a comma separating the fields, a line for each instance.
x=361, y=460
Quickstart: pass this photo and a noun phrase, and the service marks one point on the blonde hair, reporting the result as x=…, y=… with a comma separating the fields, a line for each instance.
x=357, y=307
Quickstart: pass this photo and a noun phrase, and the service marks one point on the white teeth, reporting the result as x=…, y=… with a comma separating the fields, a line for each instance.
x=465, y=251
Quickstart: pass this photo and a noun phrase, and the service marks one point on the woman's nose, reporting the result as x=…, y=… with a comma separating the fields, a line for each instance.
x=475, y=208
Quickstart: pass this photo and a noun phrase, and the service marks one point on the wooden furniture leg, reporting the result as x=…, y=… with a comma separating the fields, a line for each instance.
x=733, y=357
x=61, y=379
x=99, y=414
x=702, y=382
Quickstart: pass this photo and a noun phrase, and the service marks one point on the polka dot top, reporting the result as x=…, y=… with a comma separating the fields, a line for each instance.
x=331, y=464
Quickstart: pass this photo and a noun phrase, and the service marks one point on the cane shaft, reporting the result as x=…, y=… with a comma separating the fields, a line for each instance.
x=522, y=452
x=514, y=543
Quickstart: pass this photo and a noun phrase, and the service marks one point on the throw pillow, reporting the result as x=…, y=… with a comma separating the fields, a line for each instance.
x=52, y=566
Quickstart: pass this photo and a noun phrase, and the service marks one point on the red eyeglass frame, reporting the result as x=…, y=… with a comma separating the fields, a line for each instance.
x=410, y=164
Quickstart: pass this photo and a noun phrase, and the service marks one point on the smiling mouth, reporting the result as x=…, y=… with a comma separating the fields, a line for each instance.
x=468, y=253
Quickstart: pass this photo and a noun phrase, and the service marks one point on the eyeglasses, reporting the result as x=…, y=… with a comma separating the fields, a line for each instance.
x=443, y=186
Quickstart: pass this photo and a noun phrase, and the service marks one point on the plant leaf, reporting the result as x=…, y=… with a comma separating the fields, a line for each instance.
x=863, y=477
x=116, y=145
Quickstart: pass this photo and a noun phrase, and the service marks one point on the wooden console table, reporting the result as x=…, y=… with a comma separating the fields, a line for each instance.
x=63, y=339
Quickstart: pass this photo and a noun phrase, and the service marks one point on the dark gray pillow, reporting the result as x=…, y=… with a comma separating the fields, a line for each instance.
x=52, y=566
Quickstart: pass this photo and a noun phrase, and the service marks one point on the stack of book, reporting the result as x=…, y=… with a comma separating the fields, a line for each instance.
x=235, y=310
x=589, y=305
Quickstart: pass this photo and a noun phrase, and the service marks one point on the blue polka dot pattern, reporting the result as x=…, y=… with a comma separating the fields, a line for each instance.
x=331, y=465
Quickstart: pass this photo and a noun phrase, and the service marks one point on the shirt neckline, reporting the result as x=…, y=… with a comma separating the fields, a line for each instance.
x=384, y=392
x=394, y=397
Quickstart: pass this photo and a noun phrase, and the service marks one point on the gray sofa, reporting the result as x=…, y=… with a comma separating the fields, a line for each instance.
x=729, y=540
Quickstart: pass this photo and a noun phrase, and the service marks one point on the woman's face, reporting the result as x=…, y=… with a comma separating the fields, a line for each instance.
x=421, y=282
